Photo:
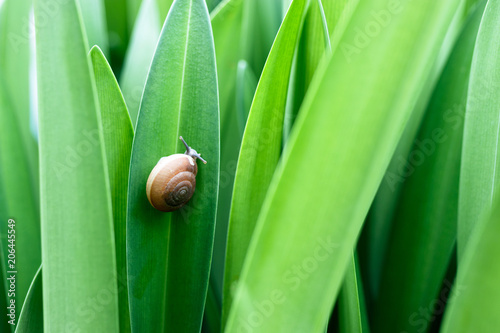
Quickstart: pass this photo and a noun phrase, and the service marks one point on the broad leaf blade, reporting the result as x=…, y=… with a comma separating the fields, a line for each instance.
x=118, y=135
x=479, y=175
x=78, y=250
x=169, y=254
x=322, y=179
x=226, y=23
x=261, y=147
x=475, y=298
x=424, y=235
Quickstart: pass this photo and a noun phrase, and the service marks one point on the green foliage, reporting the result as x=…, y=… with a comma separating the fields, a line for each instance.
x=432, y=173
x=261, y=148
x=478, y=175
x=351, y=147
x=169, y=254
x=474, y=304
x=118, y=135
x=327, y=129
x=78, y=247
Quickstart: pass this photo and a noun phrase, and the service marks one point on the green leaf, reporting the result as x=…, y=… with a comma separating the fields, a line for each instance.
x=310, y=50
x=4, y=326
x=169, y=254
x=15, y=65
x=261, y=148
x=294, y=267
x=18, y=200
x=424, y=235
x=378, y=229
x=118, y=135
x=352, y=308
x=324, y=18
x=31, y=316
x=246, y=84
x=475, y=298
x=164, y=7
x=94, y=19
x=117, y=19
x=479, y=177
x=78, y=248
x=139, y=55
x=226, y=24
x=133, y=7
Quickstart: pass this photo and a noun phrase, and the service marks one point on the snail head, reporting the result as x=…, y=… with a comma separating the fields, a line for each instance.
x=191, y=152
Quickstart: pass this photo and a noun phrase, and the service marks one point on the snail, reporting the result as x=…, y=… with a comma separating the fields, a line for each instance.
x=173, y=180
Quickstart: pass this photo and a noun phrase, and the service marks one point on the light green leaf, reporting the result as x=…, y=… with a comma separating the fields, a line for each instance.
x=479, y=177
x=211, y=4
x=246, y=84
x=424, y=235
x=324, y=18
x=295, y=267
x=378, y=229
x=19, y=201
x=31, y=316
x=139, y=55
x=78, y=248
x=118, y=135
x=169, y=254
x=261, y=148
x=15, y=65
x=94, y=19
x=475, y=298
x=226, y=24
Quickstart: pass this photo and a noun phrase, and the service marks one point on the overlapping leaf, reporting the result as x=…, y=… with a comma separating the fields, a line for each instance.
x=323, y=180
x=479, y=175
x=78, y=248
x=169, y=254
x=424, y=234
x=118, y=134
x=261, y=147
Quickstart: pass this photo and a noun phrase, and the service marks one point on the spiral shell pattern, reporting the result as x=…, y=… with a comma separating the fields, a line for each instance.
x=172, y=182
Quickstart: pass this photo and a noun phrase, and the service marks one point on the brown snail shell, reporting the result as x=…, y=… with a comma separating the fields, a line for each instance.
x=172, y=182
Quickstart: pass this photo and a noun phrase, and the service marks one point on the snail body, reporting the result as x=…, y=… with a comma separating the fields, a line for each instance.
x=172, y=182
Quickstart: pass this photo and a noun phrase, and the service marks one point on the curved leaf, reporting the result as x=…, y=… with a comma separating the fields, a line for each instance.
x=293, y=267
x=78, y=249
x=118, y=135
x=424, y=235
x=18, y=200
x=169, y=254
x=261, y=147
x=479, y=175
